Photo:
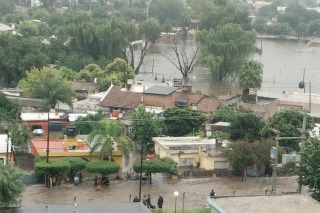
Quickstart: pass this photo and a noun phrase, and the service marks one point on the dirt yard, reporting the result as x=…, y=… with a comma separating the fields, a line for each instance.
x=195, y=191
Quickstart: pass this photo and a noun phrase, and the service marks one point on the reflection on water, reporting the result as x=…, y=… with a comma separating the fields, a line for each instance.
x=283, y=69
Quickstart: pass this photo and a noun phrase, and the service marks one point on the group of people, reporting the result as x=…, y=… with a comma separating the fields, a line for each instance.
x=146, y=200
x=55, y=180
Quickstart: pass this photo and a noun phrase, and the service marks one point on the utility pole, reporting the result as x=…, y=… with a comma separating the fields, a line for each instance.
x=47, y=150
x=277, y=139
x=302, y=141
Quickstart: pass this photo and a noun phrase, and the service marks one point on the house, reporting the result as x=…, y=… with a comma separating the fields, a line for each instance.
x=92, y=103
x=52, y=121
x=264, y=107
x=191, y=152
x=133, y=207
x=196, y=101
x=118, y=99
x=5, y=148
x=280, y=203
x=72, y=145
x=160, y=96
x=5, y=28
x=83, y=89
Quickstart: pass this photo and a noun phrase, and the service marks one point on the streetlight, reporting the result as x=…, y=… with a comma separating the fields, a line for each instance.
x=183, y=202
x=176, y=195
x=47, y=150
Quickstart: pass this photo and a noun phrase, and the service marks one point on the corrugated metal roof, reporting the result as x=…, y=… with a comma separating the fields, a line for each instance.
x=160, y=90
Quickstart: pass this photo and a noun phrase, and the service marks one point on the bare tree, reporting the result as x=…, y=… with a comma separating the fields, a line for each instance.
x=183, y=60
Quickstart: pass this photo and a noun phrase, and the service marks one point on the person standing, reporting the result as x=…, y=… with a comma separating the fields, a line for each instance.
x=80, y=178
x=160, y=203
x=149, y=201
x=212, y=193
x=144, y=200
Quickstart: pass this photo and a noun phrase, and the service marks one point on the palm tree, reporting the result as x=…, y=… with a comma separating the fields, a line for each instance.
x=250, y=76
x=108, y=135
x=53, y=91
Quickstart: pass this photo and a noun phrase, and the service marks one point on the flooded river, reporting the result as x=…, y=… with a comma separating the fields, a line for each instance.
x=283, y=69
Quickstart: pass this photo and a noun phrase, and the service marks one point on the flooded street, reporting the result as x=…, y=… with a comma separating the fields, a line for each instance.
x=196, y=191
x=283, y=69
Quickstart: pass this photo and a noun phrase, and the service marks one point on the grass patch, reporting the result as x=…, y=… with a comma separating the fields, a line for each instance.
x=202, y=210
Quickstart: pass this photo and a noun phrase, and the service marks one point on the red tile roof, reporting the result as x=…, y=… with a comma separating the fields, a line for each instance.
x=203, y=102
x=208, y=104
x=194, y=98
x=121, y=99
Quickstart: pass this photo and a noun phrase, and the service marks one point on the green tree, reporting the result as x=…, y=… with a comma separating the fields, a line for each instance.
x=118, y=72
x=163, y=165
x=35, y=77
x=52, y=168
x=144, y=127
x=76, y=164
x=85, y=125
x=314, y=27
x=67, y=73
x=8, y=110
x=102, y=167
x=242, y=154
x=28, y=28
x=225, y=50
x=18, y=54
x=108, y=135
x=53, y=91
x=11, y=185
x=246, y=127
x=6, y=7
x=228, y=113
x=250, y=76
x=226, y=14
x=182, y=121
x=20, y=134
x=309, y=170
x=287, y=122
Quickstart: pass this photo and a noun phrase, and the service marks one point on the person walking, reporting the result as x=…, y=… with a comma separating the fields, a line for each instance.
x=149, y=201
x=160, y=203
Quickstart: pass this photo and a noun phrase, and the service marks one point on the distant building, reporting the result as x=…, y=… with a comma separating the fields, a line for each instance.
x=5, y=28
x=5, y=149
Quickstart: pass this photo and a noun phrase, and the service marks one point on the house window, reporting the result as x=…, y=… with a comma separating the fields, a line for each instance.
x=186, y=162
x=220, y=165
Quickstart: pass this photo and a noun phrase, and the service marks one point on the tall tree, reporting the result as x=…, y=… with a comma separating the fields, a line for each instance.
x=18, y=54
x=184, y=60
x=247, y=127
x=108, y=135
x=145, y=126
x=225, y=49
x=182, y=121
x=11, y=185
x=250, y=75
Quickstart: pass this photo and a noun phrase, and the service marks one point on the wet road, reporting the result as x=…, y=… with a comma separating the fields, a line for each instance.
x=196, y=191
